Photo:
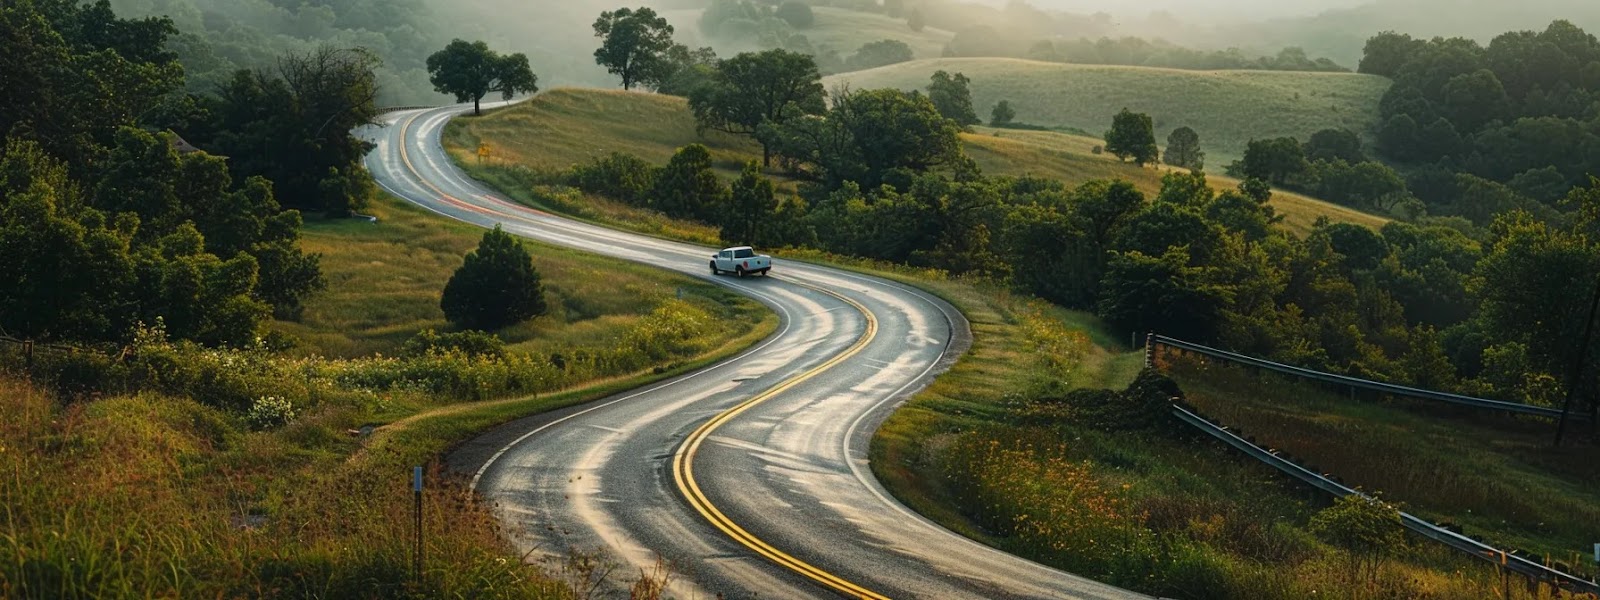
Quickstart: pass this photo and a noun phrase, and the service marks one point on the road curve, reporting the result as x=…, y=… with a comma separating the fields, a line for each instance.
x=749, y=476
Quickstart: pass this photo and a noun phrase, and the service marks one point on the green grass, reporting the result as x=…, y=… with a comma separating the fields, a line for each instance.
x=843, y=30
x=1499, y=477
x=1227, y=108
x=146, y=495
x=384, y=282
x=570, y=126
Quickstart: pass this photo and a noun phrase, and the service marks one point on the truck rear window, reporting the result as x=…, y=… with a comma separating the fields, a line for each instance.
x=744, y=253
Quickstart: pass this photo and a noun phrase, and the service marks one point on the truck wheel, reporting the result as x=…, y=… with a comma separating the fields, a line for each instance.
x=739, y=271
x=714, y=271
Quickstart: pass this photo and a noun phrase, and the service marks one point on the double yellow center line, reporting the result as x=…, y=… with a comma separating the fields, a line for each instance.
x=683, y=460
x=683, y=468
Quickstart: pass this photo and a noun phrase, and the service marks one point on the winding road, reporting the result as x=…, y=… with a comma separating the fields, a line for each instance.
x=750, y=476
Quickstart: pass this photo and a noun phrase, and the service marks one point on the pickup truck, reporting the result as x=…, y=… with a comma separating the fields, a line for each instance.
x=741, y=260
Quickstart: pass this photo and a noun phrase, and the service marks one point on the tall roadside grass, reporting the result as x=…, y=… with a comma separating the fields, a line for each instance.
x=1496, y=476
x=161, y=469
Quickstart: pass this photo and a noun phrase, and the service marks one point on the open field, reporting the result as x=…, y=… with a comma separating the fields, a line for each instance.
x=384, y=282
x=1227, y=108
x=1497, y=476
x=566, y=127
x=843, y=30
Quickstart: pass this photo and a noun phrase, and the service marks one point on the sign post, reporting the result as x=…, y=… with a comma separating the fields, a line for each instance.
x=416, y=492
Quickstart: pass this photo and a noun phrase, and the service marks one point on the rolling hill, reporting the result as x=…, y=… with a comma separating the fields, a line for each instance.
x=570, y=126
x=1227, y=108
x=841, y=29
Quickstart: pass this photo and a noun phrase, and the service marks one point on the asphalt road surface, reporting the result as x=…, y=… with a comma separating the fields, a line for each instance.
x=749, y=477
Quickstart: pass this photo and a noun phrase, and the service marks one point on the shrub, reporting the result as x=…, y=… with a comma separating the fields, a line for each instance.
x=1366, y=528
x=470, y=342
x=496, y=287
x=270, y=412
x=620, y=176
x=1144, y=406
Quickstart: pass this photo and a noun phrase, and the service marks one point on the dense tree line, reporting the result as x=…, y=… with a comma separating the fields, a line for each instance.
x=881, y=174
x=1521, y=116
x=105, y=224
x=1140, y=52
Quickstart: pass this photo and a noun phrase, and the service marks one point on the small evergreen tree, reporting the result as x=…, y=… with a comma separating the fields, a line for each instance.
x=496, y=287
x=1183, y=150
x=1003, y=114
x=752, y=209
x=688, y=188
x=1133, y=136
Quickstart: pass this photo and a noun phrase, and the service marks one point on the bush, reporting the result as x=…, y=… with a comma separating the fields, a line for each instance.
x=496, y=287
x=620, y=176
x=1366, y=528
x=470, y=342
x=270, y=412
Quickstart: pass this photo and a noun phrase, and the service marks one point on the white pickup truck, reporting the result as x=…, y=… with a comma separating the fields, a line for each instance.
x=740, y=260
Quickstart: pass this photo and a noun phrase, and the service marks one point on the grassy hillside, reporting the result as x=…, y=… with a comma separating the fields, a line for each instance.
x=1227, y=108
x=565, y=127
x=843, y=30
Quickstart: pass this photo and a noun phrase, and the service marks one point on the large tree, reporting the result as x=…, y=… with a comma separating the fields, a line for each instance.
x=1335, y=144
x=1183, y=150
x=869, y=136
x=294, y=126
x=470, y=70
x=952, y=95
x=1132, y=136
x=497, y=286
x=635, y=45
x=1276, y=160
x=755, y=90
x=688, y=188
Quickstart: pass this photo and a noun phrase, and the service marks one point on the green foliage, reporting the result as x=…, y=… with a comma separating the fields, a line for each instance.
x=952, y=95
x=469, y=71
x=496, y=287
x=753, y=92
x=1161, y=294
x=868, y=135
x=1366, y=528
x=635, y=45
x=295, y=127
x=872, y=55
x=1145, y=407
x=270, y=412
x=618, y=175
x=1277, y=160
x=1183, y=150
x=1132, y=136
x=1002, y=115
x=472, y=343
x=1335, y=144
x=687, y=187
x=748, y=218
x=796, y=13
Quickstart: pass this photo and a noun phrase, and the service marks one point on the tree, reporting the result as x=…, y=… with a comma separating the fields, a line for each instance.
x=1183, y=150
x=868, y=136
x=755, y=90
x=1386, y=52
x=1276, y=160
x=294, y=127
x=1335, y=144
x=796, y=13
x=470, y=70
x=688, y=188
x=752, y=209
x=1133, y=136
x=916, y=21
x=880, y=53
x=1161, y=294
x=952, y=95
x=1002, y=115
x=497, y=286
x=635, y=44
x=1475, y=99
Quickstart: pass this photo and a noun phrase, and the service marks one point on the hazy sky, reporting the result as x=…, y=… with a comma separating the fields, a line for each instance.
x=1201, y=9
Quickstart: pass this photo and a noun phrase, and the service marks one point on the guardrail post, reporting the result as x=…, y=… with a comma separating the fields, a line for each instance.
x=1150, y=350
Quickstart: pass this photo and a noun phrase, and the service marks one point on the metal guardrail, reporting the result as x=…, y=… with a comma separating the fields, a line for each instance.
x=1377, y=386
x=390, y=109
x=1512, y=562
